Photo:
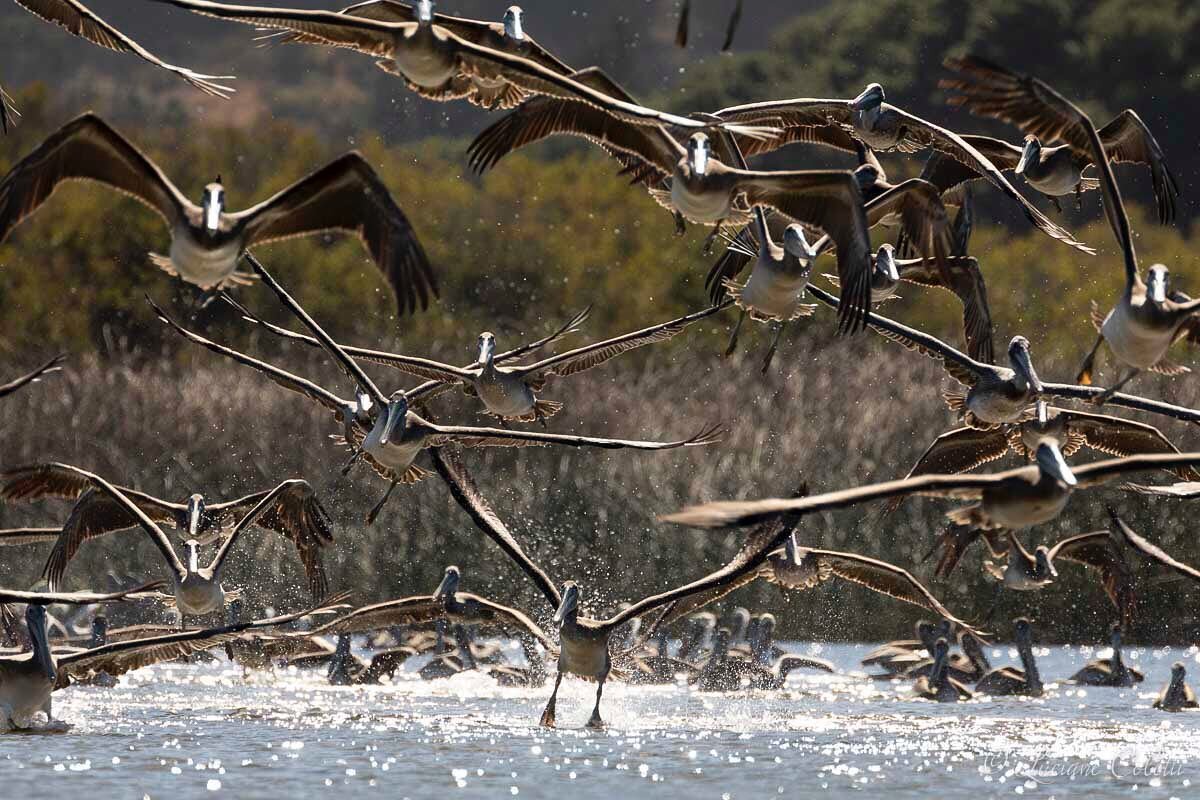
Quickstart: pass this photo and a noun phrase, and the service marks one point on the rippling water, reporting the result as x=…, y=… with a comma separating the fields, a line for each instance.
x=185, y=731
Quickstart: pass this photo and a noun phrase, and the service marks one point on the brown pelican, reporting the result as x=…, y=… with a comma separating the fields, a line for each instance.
x=957, y=361
x=1148, y=318
x=28, y=681
x=899, y=655
x=779, y=661
x=938, y=685
x=197, y=589
x=1111, y=671
x=1176, y=695
x=967, y=667
x=685, y=11
x=1054, y=170
x=1014, y=499
x=206, y=241
x=51, y=366
x=508, y=36
x=432, y=58
x=883, y=127
x=8, y=112
x=295, y=513
x=79, y=20
x=1011, y=680
x=964, y=449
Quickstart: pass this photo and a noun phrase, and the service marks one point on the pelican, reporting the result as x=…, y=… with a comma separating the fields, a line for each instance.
x=28, y=681
x=960, y=365
x=295, y=513
x=899, y=655
x=938, y=685
x=1054, y=170
x=1014, y=499
x=1111, y=671
x=1176, y=695
x=207, y=240
x=431, y=58
x=777, y=660
x=79, y=20
x=681, y=30
x=197, y=589
x=1011, y=680
x=1148, y=318
x=391, y=439
x=967, y=667
x=51, y=366
x=508, y=36
x=964, y=449
x=8, y=111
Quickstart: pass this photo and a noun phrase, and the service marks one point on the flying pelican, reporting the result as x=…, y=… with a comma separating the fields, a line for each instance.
x=964, y=449
x=1111, y=671
x=1014, y=499
x=1176, y=695
x=938, y=685
x=508, y=36
x=1054, y=170
x=51, y=366
x=1011, y=680
x=295, y=513
x=28, y=681
x=432, y=59
x=79, y=20
x=685, y=11
x=197, y=589
x=206, y=241
x=937, y=349
x=1148, y=318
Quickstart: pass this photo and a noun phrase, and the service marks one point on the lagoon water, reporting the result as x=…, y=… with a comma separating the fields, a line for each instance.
x=187, y=731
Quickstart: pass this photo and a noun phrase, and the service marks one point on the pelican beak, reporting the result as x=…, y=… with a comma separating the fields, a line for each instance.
x=795, y=243
x=885, y=262
x=1050, y=460
x=792, y=550
x=35, y=620
x=193, y=548
x=1028, y=152
x=1158, y=284
x=1023, y=363
x=424, y=10
x=871, y=97
x=569, y=604
x=449, y=585
x=396, y=412
x=700, y=151
x=487, y=348
x=214, y=204
x=512, y=23
x=195, y=509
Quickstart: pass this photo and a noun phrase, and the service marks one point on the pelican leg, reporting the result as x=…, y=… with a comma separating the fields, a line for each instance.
x=1109, y=392
x=354, y=457
x=711, y=240
x=594, y=721
x=547, y=720
x=733, y=337
x=680, y=224
x=1054, y=202
x=1079, y=196
x=374, y=513
x=774, y=345
x=1084, y=376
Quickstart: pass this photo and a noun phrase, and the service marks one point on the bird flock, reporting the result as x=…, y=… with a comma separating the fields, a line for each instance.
x=776, y=223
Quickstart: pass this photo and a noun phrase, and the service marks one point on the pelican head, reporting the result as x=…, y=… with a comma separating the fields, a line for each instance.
x=1178, y=673
x=699, y=149
x=193, y=559
x=512, y=23
x=1045, y=567
x=1157, y=283
x=867, y=105
x=424, y=11
x=867, y=176
x=396, y=415
x=487, y=347
x=1050, y=461
x=35, y=620
x=927, y=633
x=766, y=626
x=740, y=619
x=449, y=585
x=1024, y=630
x=569, y=607
x=195, y=510
x=213, y=205
x=1114, y=637
x=99, y=630
x=1022, y=363
x=885, y=263
x=795, y=243
x=941, y=649
x=1030, y=152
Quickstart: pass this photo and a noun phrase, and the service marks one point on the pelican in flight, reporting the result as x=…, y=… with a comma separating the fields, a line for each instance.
x=295, y=513
x=1015, y=499
x=1055, y=170
x=434, y=59
x=28, y=681
x=79, y=20
x=51, y=366
x=197, y=590
x=207, y=240
x=1176, y=695
x=384, y=431
x=1149, y=317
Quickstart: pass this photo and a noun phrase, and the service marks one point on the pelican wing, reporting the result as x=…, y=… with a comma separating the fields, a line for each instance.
x=952, y=176
x=1098, y=551
x=81, y=21
x=1127, y=139
x=961, y=275
x=53, y=365
x=465, y=436
x=75, y=598
x=347, y=195
x=538, y=118
x=8, y=111
x=885, y=578
x=800, y=112
x=12, y=537
x=464, y=491
x=831, y=201
x=1101, y=472
x=85, y=149
x=1149, y=551
x=1123, y=437
x=957, y=451
x=924, y=223
x=1188, y=489
x=393, y=613
x=1073, y=392
x=63, y=481
x=481, y=611
x=382, y=10
x=597, y=353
